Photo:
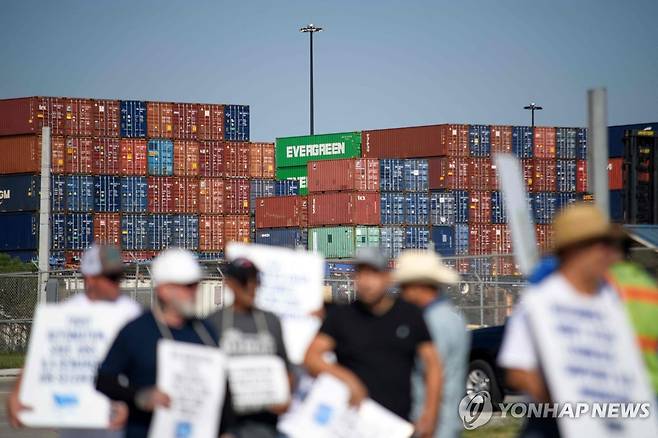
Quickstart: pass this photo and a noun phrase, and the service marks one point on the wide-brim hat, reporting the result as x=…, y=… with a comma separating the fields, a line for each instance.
x=581, y=223
x=424, y=267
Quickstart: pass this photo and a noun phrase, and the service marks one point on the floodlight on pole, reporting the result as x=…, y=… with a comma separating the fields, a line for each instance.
x=311, y=29
x=533, y=107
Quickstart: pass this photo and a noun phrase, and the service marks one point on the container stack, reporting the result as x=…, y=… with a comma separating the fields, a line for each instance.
x=143, y=175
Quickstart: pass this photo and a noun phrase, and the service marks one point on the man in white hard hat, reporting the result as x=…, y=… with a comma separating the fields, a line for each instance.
x=128, y=373
x=422, y=277
x=102, y=269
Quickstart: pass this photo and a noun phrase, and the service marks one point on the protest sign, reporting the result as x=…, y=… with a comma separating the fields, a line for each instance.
x=66, y=345
x=257, y=382
x=194, y=378
x=325, y=413
x=592, y=365
x=291, y=288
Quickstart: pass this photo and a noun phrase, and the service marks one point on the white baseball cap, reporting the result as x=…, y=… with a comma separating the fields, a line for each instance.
x=175, y=266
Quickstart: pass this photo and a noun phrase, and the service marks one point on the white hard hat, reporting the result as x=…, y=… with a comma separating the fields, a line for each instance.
x=177, y=266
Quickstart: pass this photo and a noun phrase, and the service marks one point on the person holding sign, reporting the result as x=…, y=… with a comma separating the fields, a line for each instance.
x=128, y=373
x=258, y=364
x=376, y=341
x=102, y=269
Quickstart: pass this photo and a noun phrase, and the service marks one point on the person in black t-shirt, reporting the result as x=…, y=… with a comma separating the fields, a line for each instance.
x=376, y=341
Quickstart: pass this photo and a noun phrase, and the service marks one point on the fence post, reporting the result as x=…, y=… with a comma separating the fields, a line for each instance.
x=44, y=214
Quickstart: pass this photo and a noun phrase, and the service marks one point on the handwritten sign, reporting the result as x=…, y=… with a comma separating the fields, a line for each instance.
x=257, y=382
x=194, y=378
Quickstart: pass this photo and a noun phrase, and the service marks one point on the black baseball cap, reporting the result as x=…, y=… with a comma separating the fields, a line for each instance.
x=242, y=270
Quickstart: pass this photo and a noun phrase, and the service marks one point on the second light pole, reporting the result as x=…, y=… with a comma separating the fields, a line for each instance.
x=532, y=107
x=310, y=29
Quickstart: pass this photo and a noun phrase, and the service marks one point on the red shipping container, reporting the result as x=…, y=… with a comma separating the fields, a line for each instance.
x=185, y=121
x=211, y=195
x=282, y=211
x=79, y=155
x=186, y=158
x=133, y=156
x=137, y=256
x=186, y=194
x=544, y=237
x=449, y=173
x=501, y=139
x=501, y=239
x=544, y=143
x=410, y=142
x=106, y=156
x=236, y=196
x=79, y=117
x=236, y=159
x=57, y=154
x=20, y=154
x=361, y=175
x=454, y=140
x=107, y=118
x=237, y=228
x=28, y=115
x=160, y=194
x=107, y=228
x=72, y=259
x=255, y=160
x=479, y=207
x=615, y=174
x=544, y=175
x=268, y=161
x=480, y=239
x=211, y=158
x=481, y=174
x=581, y=176
x=210, y=119
x=528, y=170
x=159, y=119
x=211, y=233
x=343, y=209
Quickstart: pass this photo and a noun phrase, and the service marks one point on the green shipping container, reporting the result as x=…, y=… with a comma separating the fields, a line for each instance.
x=297, y=151
x=341, y=242
x=298, y=173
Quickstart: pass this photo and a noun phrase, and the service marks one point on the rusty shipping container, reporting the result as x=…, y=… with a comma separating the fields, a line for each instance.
x=236, y=159
x=236, y=196
x=107, y=118
x=57, y=154
x=282, y=212
x=211, y=158
x=479, y=207
x=237, y=228
x=106, y=156
x=186, y=158
x=27, y=115
x=544, y=175
x=185, y=121
x=544, y=143
x=449, y=173
x=581, y=176
x=159, y=119
x=160, y=194
x=211, y=233
x=211, y=195
x=79, y=155
x=343, y=209
x=107, y=228
x=410, y=142
x=360, y=175
x=186, y=194
x=79, y=117
x=20, y=154
x=454, y=140
x=616, y=174
x=133, y=156
x=210, y=119
x=501, y=139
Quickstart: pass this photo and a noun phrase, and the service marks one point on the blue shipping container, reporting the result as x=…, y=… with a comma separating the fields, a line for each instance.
x=160, y=157
x=566, y=140
x=566, y=175
x=19, y=192
x=57, y=193
x=134, y=194
x=443, y=238
x=58, y=231
x=107, y=193
x=442, y=208
x=461, y=203
x=482, y=266
x=133, y=118
x=57, y=260
x=479, y=140
x=617, y=205
x=210, y=255
x=79, y=193
x=391, y=175
x=186, y=231
x=79, y=231
x=260, y=188
x=416, y=175
x=416, y=237
x=462, y=236
x=285, y=237
x=236, y=122
x=581, y=145
x=287, y=187
x=134, y=232
x=392, y=240
x=522, y=141
x=392, y=208
x=544, y=207
x=19, y=231
x=160, y=231
x=498, y=212
x=416, y=208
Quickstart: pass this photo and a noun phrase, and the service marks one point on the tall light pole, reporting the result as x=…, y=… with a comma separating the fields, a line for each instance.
x=310, y=29
x=532, y=107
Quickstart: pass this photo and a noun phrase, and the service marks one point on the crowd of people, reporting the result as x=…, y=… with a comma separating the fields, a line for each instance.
x=408, y=350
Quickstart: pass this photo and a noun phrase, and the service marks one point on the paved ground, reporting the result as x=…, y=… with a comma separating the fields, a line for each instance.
x=5, y=430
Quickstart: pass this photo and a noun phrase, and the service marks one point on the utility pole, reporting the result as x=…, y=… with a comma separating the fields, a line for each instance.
x=532, y=107
x=310, y=29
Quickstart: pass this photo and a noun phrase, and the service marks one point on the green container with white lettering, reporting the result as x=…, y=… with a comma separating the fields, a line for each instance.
x=297, y=173
x=297, y=151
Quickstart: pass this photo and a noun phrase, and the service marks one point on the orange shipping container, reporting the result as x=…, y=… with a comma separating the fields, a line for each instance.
x=454, y=140
x=237, y=228
x=107, y=228
x=236, y=196
x=79, y=117
x=360, y=174
x=501, y=139
x=186, y=194
x=482, y=174
x=133, y=256
x=449, y=173
x=79, y=155
x=133, y=156
x=581, y=176
x=409, y=142
x=268, y=161
x=161, y=194
x=544, y=237
x=282, y=211
x=544, y=175
x=160, y=119
x=57, y=154
x=186, y=158
x=236, y=159
x=185, y=121
x=72, y=259
x=544, y=142
x=106, y=118
x=343, y=209
x=211, y=195
x=211, y=158
x=106, y=156
x=616, y=173
x=210, y=119
x=20, y=154
x=211, y=233
x=255, y=160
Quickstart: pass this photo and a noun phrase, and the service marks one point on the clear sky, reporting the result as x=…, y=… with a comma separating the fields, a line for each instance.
x=379, y=63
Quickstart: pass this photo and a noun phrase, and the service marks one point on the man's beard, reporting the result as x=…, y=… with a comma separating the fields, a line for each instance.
x=187, y=309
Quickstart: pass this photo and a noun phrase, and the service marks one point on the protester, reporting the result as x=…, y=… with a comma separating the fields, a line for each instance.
x=128, y=373
x=586, y=247
x=245, y=330
x=422, y=276
x=102, y=269
x=376, y=341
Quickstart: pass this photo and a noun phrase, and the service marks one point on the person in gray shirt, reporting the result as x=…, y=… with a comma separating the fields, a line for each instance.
x=421, y=276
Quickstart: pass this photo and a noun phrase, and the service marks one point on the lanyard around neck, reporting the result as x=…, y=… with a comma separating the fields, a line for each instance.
x=200, y=329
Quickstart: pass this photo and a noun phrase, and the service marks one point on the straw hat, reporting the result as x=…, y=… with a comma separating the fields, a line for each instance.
x=423, y=267
x=581, y=223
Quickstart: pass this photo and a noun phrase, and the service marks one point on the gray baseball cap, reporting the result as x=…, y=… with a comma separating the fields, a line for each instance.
x=372, y=257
